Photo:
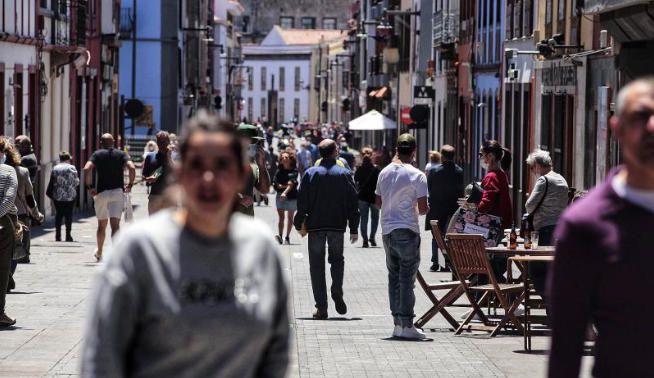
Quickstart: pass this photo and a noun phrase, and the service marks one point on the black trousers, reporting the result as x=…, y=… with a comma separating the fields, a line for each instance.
x=63, y=211
x=6, y=251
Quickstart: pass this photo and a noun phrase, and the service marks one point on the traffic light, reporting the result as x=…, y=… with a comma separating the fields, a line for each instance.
x=323, y=106
x=345, y=105
x=218, y=102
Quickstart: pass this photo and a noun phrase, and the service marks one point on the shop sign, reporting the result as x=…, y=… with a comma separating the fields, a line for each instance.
x=559, y=76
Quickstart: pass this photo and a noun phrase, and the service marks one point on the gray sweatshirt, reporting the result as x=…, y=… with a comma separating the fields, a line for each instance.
x=170, y=303
x=556, y=200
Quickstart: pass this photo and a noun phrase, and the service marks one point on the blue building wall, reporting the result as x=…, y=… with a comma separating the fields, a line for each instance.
x=488, y=55
x=148, y=61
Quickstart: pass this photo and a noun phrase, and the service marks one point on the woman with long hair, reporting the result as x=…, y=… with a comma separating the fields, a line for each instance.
x=285, y=184
x=365, y=178
x=26, y=209
x=197, y=290
x=496, y=198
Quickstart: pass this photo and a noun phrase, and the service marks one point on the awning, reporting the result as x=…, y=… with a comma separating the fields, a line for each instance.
x=373, y=120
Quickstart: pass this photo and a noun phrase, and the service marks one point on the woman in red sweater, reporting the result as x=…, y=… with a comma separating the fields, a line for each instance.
x=496, y=199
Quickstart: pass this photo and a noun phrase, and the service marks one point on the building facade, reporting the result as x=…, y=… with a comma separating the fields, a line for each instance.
x=150, y=63
x=261, y=15
x=276, y=76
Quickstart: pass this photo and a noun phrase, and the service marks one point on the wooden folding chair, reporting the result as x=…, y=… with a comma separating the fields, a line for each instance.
x=468, y=256
x=455, y=289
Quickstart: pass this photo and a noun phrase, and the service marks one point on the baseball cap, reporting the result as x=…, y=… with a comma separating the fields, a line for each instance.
x=406, y=141
x=250, y=131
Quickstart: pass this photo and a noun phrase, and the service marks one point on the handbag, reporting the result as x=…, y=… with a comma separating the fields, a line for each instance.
x=476, y=193
x=19, y=228
x=530, y=216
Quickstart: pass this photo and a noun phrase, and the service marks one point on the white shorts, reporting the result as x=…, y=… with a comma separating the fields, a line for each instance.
x=109, y=204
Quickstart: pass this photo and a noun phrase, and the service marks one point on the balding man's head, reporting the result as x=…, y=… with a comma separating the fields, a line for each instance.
x=633, y=124
x=327, y=148
x=107, y=140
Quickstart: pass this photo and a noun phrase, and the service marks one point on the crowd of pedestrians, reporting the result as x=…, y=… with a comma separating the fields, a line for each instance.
x=202, y=267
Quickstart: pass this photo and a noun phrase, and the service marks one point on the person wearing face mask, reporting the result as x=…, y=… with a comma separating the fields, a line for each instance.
x=8, y=191
x=196, y=291
x=496, y=199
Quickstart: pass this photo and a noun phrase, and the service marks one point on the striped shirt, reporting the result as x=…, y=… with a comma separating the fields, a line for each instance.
x=8, y=189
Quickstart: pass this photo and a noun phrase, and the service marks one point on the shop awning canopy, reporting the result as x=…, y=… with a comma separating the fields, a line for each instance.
x=373, y=120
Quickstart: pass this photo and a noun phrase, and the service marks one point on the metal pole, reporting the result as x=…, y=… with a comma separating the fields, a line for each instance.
x=133, y=59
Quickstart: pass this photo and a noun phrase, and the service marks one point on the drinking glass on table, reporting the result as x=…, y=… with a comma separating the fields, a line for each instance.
x=534, y=239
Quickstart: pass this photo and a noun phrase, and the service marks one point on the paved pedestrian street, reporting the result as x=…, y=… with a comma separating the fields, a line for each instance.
x=52, y=296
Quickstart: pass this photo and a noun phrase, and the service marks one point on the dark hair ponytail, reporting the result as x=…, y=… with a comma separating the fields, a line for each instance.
x=506, y=160
x=502, y=154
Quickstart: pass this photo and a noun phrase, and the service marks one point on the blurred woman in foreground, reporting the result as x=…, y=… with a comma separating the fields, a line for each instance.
x=194, y=291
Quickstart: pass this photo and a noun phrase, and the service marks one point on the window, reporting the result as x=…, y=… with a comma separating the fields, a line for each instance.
x=560, y=25
x=561, y=10
x=527, y=29
x=250, y=80
x=509, y=20
x=263, y=78
x=263, y=110
x=329, y=23
x=298, y=86
x=308, y=22
x=517, y=25
x=296, y=108
x=280, y=111
x=282, y=79
x=250, y=109
x=287, y=22
x=548, y=18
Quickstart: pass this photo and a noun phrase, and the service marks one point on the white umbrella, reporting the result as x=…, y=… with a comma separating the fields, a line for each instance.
x=373, y=120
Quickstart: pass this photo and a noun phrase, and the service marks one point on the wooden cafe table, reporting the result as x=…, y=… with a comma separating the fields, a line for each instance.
x=522, y=258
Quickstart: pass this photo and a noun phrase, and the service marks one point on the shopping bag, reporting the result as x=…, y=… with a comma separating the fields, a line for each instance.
x=127, y=202
x=471, y=221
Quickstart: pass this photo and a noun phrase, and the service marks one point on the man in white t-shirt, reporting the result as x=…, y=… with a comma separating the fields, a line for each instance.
x=401, y=194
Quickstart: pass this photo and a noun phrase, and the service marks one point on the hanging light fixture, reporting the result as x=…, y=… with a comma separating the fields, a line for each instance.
x=383, y=23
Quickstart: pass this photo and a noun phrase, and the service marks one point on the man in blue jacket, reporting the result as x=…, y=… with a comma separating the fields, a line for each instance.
x=445, y=184
x=327, y=203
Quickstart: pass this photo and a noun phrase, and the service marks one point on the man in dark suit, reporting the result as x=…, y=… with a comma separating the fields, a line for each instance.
x=603, y=266
x=445, y=184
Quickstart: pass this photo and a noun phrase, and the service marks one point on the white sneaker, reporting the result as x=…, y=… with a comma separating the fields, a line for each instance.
x=519, y=311
x=397, y=331
x=412, y=333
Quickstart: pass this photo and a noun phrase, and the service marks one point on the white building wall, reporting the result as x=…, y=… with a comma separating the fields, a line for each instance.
x=289, y=94
x=12, y=54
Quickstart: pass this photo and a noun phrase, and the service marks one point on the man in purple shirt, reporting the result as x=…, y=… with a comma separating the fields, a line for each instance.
x=605, y=253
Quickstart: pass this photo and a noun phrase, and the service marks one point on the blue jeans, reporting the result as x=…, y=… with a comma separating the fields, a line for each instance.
x=334, y=240
x=364, y=207
x=402, y=261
